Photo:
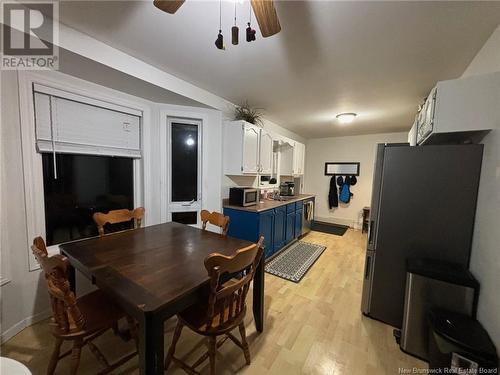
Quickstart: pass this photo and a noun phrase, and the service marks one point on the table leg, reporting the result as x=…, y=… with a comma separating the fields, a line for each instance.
x=72, y=278
x=151, y=346
x=258, y=296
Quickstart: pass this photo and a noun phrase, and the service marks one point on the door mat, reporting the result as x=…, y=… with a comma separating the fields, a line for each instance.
x=336, y=229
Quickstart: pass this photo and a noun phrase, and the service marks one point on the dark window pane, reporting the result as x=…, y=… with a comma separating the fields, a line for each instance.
x=184, y=162
x=85, y=184
x=185, y=217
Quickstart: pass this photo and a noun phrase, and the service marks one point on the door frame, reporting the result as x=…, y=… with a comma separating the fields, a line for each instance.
x=197, y=118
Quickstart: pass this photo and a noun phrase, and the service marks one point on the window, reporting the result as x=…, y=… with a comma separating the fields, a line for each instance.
x=85, y=184
x=184, y=162
x=77, y=128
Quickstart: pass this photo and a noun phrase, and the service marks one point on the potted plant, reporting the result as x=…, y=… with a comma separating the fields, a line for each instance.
x=246, y=113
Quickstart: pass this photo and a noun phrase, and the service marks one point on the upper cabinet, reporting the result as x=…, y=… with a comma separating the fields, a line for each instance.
x=292, y=158
x=266, y=152
x=299, y=152
x=460, y=110
x=248, y=149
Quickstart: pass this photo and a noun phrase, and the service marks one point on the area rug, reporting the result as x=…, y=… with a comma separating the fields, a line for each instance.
x=293, y=262
x=336, y=229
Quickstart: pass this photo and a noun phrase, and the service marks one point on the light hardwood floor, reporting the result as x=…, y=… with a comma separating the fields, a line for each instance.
x=314, y=327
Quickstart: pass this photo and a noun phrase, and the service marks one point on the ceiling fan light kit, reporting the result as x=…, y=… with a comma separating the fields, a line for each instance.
x=264, y=11
x=346, y=118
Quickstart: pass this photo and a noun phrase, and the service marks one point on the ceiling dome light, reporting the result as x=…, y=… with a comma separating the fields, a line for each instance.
x=346, y=118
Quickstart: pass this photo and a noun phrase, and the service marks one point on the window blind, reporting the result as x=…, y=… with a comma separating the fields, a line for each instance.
x=86, y=126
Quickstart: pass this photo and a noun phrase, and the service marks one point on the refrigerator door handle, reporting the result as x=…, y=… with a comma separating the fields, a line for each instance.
x=367, y=283
x=371, y=229
x=368, y=267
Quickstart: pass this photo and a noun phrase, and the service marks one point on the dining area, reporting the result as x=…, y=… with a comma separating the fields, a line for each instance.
x=145, y=276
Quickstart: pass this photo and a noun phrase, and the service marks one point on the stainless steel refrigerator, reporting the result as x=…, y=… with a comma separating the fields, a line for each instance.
x=423, y=206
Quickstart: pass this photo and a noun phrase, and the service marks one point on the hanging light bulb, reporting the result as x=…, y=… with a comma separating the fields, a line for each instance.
x=219, y=42
x=235, y=31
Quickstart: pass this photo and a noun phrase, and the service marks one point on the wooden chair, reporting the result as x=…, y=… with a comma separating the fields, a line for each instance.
x=215, y=218
x=79, y=320
x=118, y=216
x=225, y=307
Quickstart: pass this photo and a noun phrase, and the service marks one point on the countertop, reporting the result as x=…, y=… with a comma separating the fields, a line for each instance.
x=267, y=204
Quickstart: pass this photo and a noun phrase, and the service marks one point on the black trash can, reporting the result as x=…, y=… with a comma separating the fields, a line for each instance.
x=457, y=341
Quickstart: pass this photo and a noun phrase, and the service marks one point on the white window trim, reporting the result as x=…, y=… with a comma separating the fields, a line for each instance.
x=32, y=160
x=165, y=148
x=4, y=252
x=185, y=206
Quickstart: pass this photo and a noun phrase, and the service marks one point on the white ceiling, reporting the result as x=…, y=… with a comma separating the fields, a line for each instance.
x=92, y=71
x=378, y=59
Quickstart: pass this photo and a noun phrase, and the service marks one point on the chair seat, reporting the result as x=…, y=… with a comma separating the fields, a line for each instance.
x=195, y=317
x=100, y=312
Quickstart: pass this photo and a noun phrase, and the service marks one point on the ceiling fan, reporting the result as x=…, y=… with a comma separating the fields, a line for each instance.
x=264, y=10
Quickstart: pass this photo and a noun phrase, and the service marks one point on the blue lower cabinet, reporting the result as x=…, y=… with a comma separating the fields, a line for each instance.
x=279, y=226
x=266, y=229
x=298, y=223
x=243, y=224
x=290, y=227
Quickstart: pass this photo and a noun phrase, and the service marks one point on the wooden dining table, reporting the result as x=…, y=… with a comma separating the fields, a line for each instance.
x=154, y=273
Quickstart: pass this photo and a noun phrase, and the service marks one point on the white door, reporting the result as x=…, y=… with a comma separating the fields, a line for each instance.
x=266, y=152
x=250, y=149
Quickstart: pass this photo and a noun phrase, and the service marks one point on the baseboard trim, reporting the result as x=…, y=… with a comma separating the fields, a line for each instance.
x=18, y=327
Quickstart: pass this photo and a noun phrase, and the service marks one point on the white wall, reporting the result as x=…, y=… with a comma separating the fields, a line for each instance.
x=485, y=259
x=22, y=299
x=360, y=148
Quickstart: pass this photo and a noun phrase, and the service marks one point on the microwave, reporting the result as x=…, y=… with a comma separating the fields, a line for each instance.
x=243, y=196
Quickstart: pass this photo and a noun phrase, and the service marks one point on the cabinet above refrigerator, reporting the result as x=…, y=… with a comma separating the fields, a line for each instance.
x=459, y=111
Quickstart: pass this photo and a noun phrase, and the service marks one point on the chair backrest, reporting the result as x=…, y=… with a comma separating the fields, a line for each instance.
x=215, y=218
x=118, y=216
x=66, y=313
x=227, y=298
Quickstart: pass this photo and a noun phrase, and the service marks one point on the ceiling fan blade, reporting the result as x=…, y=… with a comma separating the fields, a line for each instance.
x=169, y=6
x=267, y=18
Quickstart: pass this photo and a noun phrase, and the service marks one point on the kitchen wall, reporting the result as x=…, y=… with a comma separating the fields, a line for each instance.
x=360, y=148
x=485, y=260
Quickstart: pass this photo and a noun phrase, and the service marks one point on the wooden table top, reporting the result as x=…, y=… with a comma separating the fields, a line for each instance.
x=150, y=267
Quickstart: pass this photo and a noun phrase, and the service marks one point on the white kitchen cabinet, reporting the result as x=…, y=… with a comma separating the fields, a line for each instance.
x=286, y=158
x=299, y=151
x=292, y=158
x=266, y=152
x=460, y=110
x=248, y=149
